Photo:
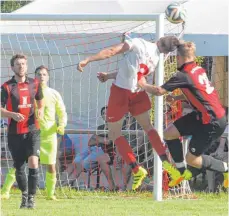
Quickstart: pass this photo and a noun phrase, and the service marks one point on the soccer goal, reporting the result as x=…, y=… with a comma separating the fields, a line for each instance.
x=60, y=41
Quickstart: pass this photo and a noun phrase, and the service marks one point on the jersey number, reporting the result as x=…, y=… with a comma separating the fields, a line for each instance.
x=203, y=79
x=144, y=70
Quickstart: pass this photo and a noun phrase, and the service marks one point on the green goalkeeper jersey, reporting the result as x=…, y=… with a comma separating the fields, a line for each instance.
x=54, y=107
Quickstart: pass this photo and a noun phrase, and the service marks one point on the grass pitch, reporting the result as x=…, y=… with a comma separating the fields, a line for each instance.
x=84, y=203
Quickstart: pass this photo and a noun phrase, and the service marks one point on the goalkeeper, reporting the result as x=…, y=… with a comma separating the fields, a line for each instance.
x=48, y=148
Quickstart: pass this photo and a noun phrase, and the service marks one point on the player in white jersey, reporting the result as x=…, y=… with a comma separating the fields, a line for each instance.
x=140, y=59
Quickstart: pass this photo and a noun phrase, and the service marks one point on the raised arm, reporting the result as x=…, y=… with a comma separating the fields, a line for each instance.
x=104, y=54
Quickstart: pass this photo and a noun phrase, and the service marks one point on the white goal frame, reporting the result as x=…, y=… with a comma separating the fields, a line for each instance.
x=159, y=19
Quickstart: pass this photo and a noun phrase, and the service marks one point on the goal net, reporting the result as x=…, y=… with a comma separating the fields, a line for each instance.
x=60, y=45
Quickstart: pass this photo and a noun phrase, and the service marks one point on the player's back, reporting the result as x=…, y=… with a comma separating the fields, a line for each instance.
x=202, y=94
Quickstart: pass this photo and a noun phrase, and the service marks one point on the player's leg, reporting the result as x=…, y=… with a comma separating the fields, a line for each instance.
x=9, y=181
x=181, y=127
x=126, y=152
x=118, y=106
x=139, y=108
x=202, y=139
x=48, y=154
x=33, y=152
x=18, y=151
x=51, y=181
x=155, y=140
x=184, y=126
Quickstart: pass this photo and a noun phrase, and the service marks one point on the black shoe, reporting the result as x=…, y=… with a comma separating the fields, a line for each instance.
x=31, y=202
x=24, y=201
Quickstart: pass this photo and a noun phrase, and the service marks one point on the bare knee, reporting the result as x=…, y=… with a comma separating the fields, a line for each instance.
x=192, y=160
x=33, y=162
x=51, y=168
x=113, y=135
x=115, y=130
x=103, y=159
x=171, y=133
x=147, y=127
x=144, y=120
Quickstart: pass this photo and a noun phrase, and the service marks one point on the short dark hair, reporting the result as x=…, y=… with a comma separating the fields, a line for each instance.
x=17, y=56
x=169, y=43
x=38, y=69
x=103, y=108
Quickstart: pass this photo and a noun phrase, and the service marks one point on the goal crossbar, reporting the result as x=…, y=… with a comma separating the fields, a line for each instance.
x=78, y=17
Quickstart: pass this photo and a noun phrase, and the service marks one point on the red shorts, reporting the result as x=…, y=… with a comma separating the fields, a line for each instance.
x=122, y=101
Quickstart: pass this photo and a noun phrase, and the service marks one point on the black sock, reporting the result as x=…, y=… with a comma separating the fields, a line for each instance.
x=32, y=181
x=176, y=150
x=21, y=179
x=181, y=169
x=210, y=163
x=195, y=171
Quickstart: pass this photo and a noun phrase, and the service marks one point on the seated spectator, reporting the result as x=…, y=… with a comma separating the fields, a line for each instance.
x=66, y=153
x=214, y=178
x=100, y=152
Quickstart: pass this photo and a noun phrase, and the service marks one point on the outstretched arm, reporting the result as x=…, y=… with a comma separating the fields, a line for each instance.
x=155, y=90
x=178, y=80
x=104, y=54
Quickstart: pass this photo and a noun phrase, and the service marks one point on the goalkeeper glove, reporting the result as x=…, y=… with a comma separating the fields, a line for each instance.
x=60, y=130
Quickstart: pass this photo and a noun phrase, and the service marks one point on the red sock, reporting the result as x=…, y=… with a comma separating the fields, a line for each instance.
x=156, y=142
x=126, y=152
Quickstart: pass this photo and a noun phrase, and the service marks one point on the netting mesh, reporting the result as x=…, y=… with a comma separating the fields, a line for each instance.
x=60, y=46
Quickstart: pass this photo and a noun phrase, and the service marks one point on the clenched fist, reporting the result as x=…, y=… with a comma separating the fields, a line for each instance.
x=102, y=76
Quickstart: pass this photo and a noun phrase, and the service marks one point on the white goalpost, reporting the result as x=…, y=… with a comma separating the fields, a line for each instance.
x=60, y=41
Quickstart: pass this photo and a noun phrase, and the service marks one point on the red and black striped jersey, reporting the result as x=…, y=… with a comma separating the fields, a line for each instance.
x=194, y=83
x=20, y=97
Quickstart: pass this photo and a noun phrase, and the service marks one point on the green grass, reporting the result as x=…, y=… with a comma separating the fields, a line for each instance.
x=119, y=204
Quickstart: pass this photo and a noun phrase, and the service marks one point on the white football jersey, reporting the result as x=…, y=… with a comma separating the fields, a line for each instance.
x=142, y=57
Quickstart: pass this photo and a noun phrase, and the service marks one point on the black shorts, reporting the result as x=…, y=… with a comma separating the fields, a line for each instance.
x=202, y=134
x=22, y=146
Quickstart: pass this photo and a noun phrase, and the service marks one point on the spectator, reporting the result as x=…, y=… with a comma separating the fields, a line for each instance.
x=100, y=152
x=66, y=152
x=215, y=179
x=66, y=155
